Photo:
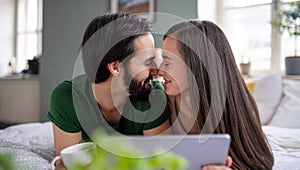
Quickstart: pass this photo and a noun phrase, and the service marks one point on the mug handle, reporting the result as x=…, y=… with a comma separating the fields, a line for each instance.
x=54, y=161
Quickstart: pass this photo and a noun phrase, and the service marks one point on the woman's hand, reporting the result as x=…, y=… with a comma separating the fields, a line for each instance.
x=219, y=167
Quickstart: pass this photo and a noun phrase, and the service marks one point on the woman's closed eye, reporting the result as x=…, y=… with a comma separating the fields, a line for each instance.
x=166, y=61
x=165, y=64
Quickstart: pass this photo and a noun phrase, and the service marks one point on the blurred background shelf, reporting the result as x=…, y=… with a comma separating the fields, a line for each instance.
x=19, y=99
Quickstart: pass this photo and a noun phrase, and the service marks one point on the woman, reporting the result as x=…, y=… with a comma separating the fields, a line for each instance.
x=214, y=91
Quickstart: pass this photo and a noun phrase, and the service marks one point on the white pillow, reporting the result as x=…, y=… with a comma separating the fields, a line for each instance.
x=288, y=111
x=267, y=92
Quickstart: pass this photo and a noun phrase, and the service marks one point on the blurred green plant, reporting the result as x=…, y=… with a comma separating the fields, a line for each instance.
x=6, y=162
x=288, y=20
x=105, y=160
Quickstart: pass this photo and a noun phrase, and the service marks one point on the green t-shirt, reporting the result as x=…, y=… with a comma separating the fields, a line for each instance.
x=74, y=109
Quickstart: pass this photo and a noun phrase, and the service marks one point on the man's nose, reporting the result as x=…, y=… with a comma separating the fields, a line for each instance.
x=154, y=71
x=158, y=57
x=157, y=72
x=160, y=72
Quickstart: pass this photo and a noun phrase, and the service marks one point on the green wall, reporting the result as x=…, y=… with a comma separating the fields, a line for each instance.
x=171, y=12
x=64, y=22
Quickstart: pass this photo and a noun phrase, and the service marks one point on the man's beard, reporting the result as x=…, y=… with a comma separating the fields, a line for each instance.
x=139, y=90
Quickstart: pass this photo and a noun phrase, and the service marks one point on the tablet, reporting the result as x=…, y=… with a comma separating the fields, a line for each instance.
x=198, y=150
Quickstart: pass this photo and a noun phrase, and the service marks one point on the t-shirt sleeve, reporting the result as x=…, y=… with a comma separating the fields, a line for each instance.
x=62, y=112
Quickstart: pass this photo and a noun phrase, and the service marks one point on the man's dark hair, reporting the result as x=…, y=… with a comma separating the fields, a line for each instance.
x=109, y=38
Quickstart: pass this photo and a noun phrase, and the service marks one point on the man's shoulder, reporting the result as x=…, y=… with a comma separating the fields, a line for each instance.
x=65, y=88
x=62, y=91
x=80, y=82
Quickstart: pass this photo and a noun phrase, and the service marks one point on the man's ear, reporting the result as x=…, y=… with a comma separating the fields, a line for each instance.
x=114, y=68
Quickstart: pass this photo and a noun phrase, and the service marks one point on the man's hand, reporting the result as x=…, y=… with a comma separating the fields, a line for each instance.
x=219, y=167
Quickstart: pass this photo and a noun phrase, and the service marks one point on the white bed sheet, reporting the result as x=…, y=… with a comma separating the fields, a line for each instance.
x=285, y=144
x=33, y=148
x=30, y=144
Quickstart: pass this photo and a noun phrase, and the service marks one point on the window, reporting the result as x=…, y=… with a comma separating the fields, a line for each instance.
x=247, y=26
x=244, y=3
x=28, y=31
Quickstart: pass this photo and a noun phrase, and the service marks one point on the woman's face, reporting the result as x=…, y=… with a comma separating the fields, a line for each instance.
x=173, y=68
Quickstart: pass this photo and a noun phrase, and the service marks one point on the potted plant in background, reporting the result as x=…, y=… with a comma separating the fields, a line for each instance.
x=288, y=20
x=245, y=65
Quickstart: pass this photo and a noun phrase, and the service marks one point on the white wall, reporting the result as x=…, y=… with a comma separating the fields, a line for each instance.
x=64, y=22
x=207, y=10
x=7, y=14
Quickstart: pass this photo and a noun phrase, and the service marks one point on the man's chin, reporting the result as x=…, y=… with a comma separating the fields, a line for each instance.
x=140, y=90
x=147, y=85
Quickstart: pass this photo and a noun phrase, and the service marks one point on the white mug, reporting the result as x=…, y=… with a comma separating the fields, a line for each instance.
x=76, y=154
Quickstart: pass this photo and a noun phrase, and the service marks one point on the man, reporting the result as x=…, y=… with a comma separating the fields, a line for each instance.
x=117, y=52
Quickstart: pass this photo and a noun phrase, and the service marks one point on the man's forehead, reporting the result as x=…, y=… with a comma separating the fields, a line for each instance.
x=144, y=42
x=145, y=54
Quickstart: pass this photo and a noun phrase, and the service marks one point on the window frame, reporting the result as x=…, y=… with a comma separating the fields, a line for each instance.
x=276, y=47
x=38, y=32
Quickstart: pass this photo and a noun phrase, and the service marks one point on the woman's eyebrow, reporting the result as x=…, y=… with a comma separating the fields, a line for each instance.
x=166, y=57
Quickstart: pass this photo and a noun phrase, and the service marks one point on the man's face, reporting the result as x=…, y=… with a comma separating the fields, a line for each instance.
x=140, y=65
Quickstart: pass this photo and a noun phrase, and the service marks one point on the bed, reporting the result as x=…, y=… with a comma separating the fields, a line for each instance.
x=32, y=145
x=285, y=144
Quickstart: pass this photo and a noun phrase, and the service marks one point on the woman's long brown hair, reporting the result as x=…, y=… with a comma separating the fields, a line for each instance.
x=203, y=44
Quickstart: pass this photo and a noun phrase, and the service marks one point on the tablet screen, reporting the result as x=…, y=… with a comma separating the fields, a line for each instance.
x=198, y=150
